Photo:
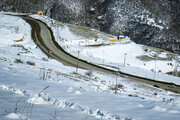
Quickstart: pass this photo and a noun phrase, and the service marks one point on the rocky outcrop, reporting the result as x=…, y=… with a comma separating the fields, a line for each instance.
x=150, y=22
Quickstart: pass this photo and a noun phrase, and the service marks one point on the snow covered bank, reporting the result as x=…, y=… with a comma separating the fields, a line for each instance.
x=26, y=71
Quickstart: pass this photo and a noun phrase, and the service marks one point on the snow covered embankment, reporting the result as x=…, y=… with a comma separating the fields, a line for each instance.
x=83, y=94
x=18, y=50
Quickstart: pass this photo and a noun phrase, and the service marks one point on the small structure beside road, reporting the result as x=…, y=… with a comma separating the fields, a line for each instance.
x=39, y=13
x=120, y=37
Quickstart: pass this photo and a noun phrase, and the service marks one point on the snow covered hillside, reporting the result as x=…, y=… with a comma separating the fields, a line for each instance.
x=33, y=86
x=124, y=55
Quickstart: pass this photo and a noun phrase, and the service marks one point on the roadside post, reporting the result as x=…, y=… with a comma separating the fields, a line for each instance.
x=77, y=62
x=124, y=59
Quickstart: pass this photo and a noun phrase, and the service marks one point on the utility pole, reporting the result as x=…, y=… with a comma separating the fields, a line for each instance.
x=77, y=62
x=175, y=67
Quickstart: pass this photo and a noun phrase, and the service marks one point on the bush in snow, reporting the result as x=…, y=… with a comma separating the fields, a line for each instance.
x=18, y=61
x=89, y=73
x=30, y=63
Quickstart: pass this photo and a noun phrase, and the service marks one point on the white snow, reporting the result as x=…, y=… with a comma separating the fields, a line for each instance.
x=140, y=106
x=174, y=111
x=13, y=116
x=77, y=92
x=157, y=108
x=70, y=89
x=92, y=9
x=146, y=19
x=160, y=109
x=11, y=32
x=77, y=95
x=100, y=17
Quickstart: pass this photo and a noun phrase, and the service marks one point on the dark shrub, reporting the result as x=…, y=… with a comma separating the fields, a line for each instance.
x=30, y=63
x=18, y=61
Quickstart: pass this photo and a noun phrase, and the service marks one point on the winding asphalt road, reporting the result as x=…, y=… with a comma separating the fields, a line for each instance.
x=44, y=38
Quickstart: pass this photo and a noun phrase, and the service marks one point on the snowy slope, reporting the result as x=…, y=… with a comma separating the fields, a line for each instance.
x=56, y=91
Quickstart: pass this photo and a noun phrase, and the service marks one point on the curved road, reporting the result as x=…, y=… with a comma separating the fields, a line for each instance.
x=43, y=37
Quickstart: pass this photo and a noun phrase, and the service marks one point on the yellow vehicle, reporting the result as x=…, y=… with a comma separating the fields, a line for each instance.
x=112, y=40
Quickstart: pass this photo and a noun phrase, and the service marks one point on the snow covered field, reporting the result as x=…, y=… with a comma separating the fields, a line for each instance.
x=55, y=91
